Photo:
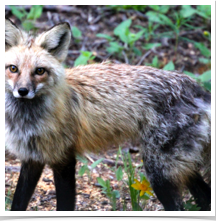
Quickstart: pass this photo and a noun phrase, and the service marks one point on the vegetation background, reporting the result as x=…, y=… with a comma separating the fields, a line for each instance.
x=176, y=37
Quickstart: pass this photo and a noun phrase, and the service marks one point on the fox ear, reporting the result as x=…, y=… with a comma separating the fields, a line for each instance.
x=56, y=40
x=12, y=34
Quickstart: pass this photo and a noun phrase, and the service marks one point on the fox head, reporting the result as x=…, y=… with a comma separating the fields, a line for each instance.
x=33, y=64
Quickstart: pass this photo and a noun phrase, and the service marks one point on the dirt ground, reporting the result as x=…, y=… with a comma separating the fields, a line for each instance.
x=92, y=20
x=89, y=193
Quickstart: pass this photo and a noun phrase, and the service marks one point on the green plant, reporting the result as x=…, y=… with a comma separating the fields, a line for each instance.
x=27, y=18
x=202, y=10
x=85, y=168
x=137, y=201
x=190, y=205
x=111, y=194
x=124, y=41
x=126, y=7
x=169, y=66
x=155, y=63
x=84, y=57
x=162, y=19
x=204, y=79
x=123, y=32
x=77, y=34
x=178, y=20
x=160, y=8
x=148, y=32
x=8, y=200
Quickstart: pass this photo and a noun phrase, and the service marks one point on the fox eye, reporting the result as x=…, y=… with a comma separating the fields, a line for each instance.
x=13, y=69
x=40, y=71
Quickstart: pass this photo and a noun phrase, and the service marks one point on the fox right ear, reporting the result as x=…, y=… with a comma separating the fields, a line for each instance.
x=12, y=34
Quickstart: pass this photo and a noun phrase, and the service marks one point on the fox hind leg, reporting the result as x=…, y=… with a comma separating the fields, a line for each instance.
x=200, y=190
x=166, y=191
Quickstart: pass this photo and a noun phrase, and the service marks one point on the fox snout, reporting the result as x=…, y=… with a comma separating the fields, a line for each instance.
x=23, y=91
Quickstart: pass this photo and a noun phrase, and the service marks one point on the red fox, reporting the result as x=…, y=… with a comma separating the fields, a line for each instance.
x=52, y=114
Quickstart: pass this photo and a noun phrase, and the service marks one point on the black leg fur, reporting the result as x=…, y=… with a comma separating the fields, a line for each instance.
x=29, y=176
x=166, y=191
x=65, y=183
x=200, y=190
x=168, y=194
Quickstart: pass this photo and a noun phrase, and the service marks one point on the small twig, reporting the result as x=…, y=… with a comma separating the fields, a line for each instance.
x=73, y=52
x=89, y=158
x=83, y=48
x=107, y=161
x=125, y=57
x=144, y=57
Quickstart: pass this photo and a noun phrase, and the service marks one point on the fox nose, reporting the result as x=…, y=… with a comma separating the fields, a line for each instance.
x=23, y=91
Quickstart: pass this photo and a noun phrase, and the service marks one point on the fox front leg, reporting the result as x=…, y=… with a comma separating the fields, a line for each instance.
x=65, y=183
x=29, y=176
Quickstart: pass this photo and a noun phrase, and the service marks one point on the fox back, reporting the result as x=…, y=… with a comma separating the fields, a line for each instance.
x=52, y=114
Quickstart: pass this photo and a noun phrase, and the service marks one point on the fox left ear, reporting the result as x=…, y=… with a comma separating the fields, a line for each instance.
x=13, y=35
x=56, y=40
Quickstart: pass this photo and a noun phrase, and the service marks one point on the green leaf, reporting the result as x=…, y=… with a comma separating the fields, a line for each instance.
x=154, y=7
x=137, y=51
x=122, y=30
x=76, y=32
x=96, y=163
x=100, y=35
x=159, y=18
x=169, y=67
x=83, y=58
x=189, y=206
x=204, y=11
x=35, y=12
x=141, y=27
x=191, y=75
x=203, y=49
x=28, y=25
x=151, y=45
x=145, y=196
x=207, y=85
x=206, y=76
x=119, y=174
x=116, y=194
x=164, y=8
x=153, y=17
x=155, y=61
x=82, y=170
x=204, y=60
x=82, y=159
x=102, y=182
x=17, y=12
x=122, y=27
x=114, y=47
x=166, y=21
x=187, y=11
x=134, y=37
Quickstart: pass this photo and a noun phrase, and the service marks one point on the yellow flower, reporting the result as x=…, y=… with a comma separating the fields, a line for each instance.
x=144, y=187
x=206, y=33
